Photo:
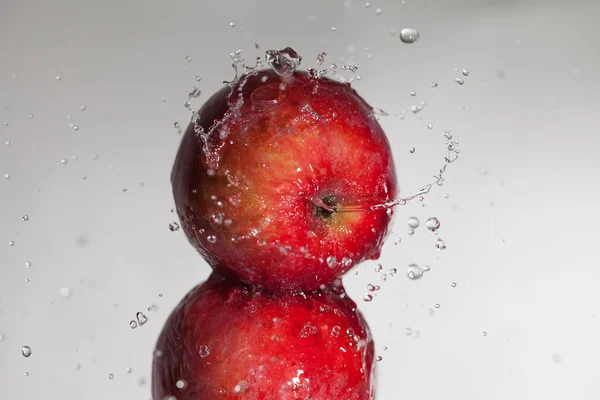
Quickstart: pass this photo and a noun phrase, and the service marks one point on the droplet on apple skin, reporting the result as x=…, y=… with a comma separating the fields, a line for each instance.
x=223, y=333
x=274, y=145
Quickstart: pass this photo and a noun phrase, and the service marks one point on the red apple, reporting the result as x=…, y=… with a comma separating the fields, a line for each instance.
x=230, y=341
x=269, y=178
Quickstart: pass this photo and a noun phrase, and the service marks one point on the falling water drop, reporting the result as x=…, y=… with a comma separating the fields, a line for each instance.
x=284, y=62
x=433, y=224
x=409, y=35
x=141, y=318
x=414, y=272
x=413, y=222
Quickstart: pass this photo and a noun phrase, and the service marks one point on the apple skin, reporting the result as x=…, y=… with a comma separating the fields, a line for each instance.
x=226, y=341
x=255, y=166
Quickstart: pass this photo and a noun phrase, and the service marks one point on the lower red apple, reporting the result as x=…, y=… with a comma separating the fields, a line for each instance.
x=270, y=175
x=228, y=341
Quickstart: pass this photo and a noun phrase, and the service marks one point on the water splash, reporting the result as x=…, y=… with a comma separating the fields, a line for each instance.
x=284, y=62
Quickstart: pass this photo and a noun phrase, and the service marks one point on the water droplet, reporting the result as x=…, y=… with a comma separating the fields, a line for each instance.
x=26, y=351
x=31, y=116
x=64, y=161
x=465, y=72
x=84, y=176
x=321, y=58
x=437, y=306
x=430, y=125
x=333, y=28
x=308, y=330
x=25, y=217
x=440, y=245
x=27, y=280
x=411, y=232
x=393, y=272
x=408, y=331
x=141, y=318
x=125, y=188
x=433, y=224
x=379, y=358
x=181, y=384
x=335, y=331
x=65, y=292
x=284, y=62
x=409, y=35
x=58, y=77
x=133, y=324
x=232, y=24
x=368, y=297
x=433, y=84
x=188, y=59
x=211, y=239
x=411, y=150
x=174, y=226
x=27, y=264
x=413, y=271
x=484, y=333
x=128, y=370
x=204, y=351
x=453, y=284
x=26, y=374
x=11, y=243
x=331, y=261
x=413, y=222
x=378, y=11
x=483, y=171
x=6, y=176
x=460, y=81
x=111, y=376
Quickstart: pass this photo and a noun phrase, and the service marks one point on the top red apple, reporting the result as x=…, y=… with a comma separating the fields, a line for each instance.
x=270, y=177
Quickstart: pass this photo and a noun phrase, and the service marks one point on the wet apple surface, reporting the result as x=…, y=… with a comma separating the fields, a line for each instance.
x=226, y=340
x=270, y=175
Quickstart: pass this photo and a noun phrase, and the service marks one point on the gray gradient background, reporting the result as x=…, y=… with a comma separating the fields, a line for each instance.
x=522, y=239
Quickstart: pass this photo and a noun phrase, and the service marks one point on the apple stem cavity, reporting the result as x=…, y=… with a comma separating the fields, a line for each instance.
x=325, y=206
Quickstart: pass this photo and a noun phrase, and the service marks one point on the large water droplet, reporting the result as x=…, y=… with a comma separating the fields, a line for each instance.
x=413, y=271
x=331, y=261
x=413, y=222
x=460, y=81
x=433, y=224
x=26, y=351
x=204, y=351
x=65, y=292
x=141, y=318
x=409, y=35
x=440, y=245
x=284, y=62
